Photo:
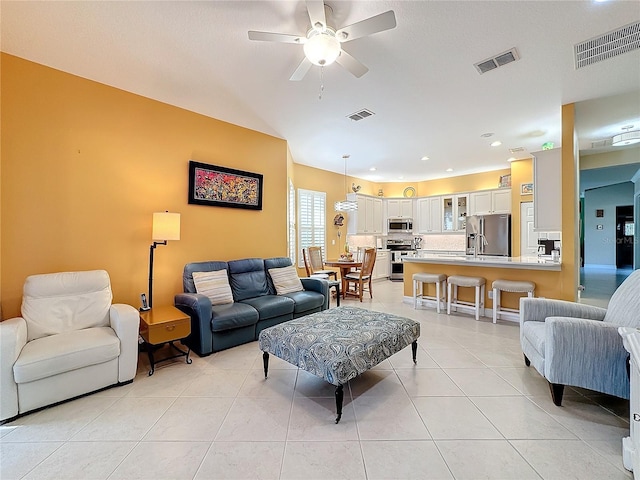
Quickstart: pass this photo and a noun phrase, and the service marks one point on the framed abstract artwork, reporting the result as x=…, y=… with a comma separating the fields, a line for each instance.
x=224, y=187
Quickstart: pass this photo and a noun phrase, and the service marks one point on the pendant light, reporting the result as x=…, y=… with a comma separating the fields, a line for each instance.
x=345, y=205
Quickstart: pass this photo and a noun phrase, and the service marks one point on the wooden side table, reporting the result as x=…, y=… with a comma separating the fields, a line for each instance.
x=162, y=325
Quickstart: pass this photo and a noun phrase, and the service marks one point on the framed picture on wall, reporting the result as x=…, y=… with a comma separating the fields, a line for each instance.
x=224, y=187
x=526, y=189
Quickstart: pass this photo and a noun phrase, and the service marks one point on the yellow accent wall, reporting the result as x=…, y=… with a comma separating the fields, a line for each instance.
x=442, y=186
x=570, y=273
x=85, y=165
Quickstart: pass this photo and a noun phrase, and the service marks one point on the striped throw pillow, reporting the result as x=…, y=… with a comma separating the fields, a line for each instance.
x=214, y=285
x=285, y=279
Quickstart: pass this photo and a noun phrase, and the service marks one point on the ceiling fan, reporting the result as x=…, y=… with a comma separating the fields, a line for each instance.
x=322, y=43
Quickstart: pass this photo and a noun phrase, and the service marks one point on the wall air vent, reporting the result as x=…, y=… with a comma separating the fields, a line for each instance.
x=364, y=113
x=616, y=42
x=499, y=60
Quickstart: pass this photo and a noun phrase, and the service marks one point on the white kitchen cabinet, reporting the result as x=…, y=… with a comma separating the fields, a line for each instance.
x=547, y=190
x=399, y=208
x=454, y=212
x=490, y=201
x=383, y=265
x=368, y=218
x=429, y=215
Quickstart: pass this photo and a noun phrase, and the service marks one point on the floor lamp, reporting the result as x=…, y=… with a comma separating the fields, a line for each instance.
x=166, y=226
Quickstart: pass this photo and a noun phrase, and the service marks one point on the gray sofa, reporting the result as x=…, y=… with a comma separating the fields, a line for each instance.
x=256, y=305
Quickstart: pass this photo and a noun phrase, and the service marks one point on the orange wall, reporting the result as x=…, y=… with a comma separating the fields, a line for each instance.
x=85, y=165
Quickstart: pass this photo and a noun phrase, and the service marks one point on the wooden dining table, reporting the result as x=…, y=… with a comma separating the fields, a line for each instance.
x=345, y=267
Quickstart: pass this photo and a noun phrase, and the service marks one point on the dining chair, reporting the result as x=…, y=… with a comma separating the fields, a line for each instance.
x=316, y=265
x=363, y=277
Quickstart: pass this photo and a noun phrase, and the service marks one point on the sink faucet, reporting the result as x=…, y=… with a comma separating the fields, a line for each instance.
x=477, y=246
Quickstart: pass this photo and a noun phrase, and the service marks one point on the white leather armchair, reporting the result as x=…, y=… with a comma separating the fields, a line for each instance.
x=574, y=344
x=69, y=341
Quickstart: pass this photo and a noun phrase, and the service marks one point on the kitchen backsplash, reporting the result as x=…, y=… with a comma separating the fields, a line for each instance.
x=444, y=242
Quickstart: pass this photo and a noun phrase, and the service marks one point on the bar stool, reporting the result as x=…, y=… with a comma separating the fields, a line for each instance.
x=419, y=279
x=501, y=285
x=456, y=281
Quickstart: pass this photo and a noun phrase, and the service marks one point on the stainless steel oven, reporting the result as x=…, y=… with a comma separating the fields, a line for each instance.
x=400, y=249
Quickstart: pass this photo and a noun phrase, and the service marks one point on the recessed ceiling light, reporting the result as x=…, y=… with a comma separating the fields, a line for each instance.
x=497, y=143
x=400, y=177
x=424, y=158
x=511, y=159
x=449, y=170
x=487, y=135
x=372, y=169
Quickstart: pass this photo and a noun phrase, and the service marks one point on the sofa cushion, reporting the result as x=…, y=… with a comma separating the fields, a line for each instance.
x=285, y=280
x=624, y=306
x=55, y=354
x=61, y=302
x=535, y=332
x=214, y=285
x=187, y=273
x=248, y=278
x=306, y=300
x=270, y=306
x=232, y=315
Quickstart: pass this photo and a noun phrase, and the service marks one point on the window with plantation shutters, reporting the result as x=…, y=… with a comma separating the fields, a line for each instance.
x=291, y=214
x=311, y=221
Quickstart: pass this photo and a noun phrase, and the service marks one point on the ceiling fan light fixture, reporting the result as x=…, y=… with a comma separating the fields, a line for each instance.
x=322, y=48
x=627, y=138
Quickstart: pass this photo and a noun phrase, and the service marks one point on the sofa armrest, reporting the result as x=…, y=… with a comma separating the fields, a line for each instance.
x=586, y=353
x=317, y=285
x=198, y=307
x=13, y=337
x=125, y=321
x=537, y=309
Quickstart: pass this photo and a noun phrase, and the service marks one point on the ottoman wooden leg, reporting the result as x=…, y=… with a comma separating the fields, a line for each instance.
x=414, y=350
x=339, y=399
x=265, y=362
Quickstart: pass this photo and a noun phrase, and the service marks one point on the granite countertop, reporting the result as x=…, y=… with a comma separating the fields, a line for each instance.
x=530, y=263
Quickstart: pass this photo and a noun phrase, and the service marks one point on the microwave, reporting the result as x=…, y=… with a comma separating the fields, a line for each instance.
x=400, y=225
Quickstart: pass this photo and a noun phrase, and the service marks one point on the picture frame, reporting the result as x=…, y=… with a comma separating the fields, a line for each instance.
x=505, y=181
x=526, y=189
x=217, y=186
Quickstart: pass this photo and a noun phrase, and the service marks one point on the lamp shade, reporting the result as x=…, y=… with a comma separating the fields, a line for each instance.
x=166, y=226
x=322, y=49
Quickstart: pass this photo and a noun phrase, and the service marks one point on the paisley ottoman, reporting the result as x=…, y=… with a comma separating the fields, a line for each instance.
x=339, y=344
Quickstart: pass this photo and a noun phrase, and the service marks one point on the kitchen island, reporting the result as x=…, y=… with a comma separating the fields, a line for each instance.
x=542, y=271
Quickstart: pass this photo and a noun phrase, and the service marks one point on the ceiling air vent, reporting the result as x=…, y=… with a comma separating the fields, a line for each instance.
x=516, y=150
x=616, y=42
x=364, y=113
x=601, y=143
x=499, y=60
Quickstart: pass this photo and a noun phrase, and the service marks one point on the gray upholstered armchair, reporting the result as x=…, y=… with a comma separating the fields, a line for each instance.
x=579, y=345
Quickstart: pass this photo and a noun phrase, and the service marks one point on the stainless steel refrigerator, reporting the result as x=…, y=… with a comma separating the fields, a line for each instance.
x=489, y=234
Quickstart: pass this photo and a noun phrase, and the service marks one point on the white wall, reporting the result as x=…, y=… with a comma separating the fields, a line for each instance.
x=600, y=245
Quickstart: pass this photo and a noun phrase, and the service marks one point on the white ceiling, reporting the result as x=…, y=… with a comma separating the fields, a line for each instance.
x=422, y=85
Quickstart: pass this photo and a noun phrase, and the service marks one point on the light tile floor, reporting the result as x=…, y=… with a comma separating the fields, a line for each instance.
x=469, y=409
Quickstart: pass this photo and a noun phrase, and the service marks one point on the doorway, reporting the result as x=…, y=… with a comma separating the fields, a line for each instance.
x=624, y=236
x=528, y=238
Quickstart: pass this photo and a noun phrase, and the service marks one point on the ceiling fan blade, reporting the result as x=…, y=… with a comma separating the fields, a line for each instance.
x=350, y=63
x=276, y=37
x=301, y=71
x=371, y=25
x=316, y=13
